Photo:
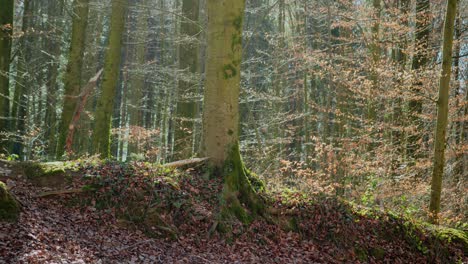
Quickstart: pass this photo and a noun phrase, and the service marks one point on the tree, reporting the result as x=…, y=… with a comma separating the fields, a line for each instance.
x=22, y=80
x=6, y=29
x=420, y=60
x=102, y=125
x=137, y=79
x=221, y=106
x=74, y=70
x=188, y=62
x=442, y=111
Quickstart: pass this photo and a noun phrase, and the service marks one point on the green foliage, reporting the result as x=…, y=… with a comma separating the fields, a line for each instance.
x=13, y=157
x=369, y=196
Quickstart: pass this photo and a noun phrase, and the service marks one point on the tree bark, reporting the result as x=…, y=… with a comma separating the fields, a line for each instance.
x=442, y=112
x=420, y=60
x=221, y=110
x=6, y=30
x=74, y=70
x=102, y=125
x=22, y=81
x=189, y=63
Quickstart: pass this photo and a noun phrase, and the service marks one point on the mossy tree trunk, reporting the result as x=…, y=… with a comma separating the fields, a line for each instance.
x=221, y=107
x=9, y=207
x=102, y=125
x=187, y=86
x=442, y=111
x=6, y=30
x=74, y=70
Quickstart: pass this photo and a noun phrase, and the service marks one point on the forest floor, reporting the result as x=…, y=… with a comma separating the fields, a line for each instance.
x=140, y=213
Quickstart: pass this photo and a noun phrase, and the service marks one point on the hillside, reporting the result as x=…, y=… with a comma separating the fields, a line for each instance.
x=103, y=212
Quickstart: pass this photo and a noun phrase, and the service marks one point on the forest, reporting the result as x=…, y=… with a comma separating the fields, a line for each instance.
x=233, y=131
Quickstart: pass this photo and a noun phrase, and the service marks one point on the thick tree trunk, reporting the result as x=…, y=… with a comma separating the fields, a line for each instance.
x=442, y=112
x=221, y=110
x=102, y=125
x=74, y=69
x=6, y=30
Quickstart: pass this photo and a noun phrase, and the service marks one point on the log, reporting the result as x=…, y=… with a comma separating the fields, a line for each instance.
x=188, y=163
x=59, y=192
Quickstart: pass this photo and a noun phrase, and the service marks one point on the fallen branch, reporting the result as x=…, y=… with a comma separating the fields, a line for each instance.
x=83, y=98
x=186, y=163
x=59, y=192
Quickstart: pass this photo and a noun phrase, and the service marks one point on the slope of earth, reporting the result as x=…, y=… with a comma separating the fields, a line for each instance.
x=139, y=213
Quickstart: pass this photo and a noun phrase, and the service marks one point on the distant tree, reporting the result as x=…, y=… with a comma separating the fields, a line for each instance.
x=22, y=80
x=6, y=30
x=189, y=63
x=74, y=70
x=420, y=60
x=221, y=106
x=105, y=106
x=442, y=111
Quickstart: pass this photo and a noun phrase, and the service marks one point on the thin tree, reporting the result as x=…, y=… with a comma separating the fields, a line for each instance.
x=188, y=62
x=442, y=112
x=6, y=29
x=102, y=125
x=22, y=80
x=420, y=60
x=74, y=70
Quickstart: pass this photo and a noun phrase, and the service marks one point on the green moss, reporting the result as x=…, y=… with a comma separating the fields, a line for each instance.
x=237, y=23
x=293, y=224
x=377, y=253
x=229, y=71
x=50, y=174
x=361, y=254
x=452, y=235
x=236, y=41
x=9, y=208
x=239, y=198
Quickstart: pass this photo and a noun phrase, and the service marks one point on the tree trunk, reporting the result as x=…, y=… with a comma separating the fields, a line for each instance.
x=221, y=110
x=189, y=63
x=137, y=80
x=420, y=60
x=54, y=48
x=6, y=30
x=102, y=125
x=442, y=112
x=22, y=81
x=74, y=69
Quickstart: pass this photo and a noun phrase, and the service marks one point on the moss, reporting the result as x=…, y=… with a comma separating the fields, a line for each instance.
x=236, y=41
x=50, y=174
x=229, y=71
x=377, y=253
x=9, y=208
x=237, y=23
x=361, y=254
x=452, y=235
x=239, y=198
x=293, y=224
